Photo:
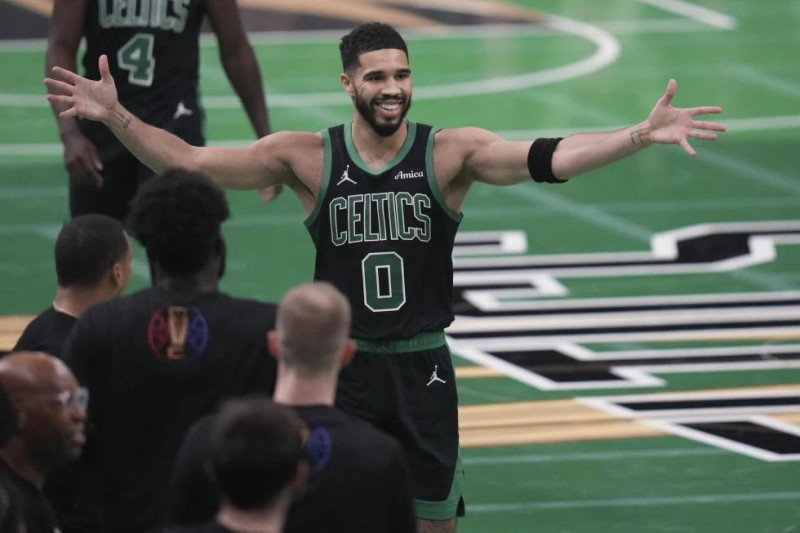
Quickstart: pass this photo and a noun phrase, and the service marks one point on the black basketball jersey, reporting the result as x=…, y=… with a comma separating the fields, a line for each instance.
x=385, y=238
x=152, y=48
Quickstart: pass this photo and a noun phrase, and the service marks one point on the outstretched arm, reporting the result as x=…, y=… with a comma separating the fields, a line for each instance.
x=499, y=162
x=250, y=167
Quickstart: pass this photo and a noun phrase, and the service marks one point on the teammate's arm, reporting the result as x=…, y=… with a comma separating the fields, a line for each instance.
x=239, y=62
x=491, y=159
x=266, y=162
x=64, y=35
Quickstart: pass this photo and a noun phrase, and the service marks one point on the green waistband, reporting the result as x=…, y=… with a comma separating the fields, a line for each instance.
x=426, y=340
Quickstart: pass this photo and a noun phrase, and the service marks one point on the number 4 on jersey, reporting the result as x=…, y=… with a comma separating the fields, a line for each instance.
x=137, y=58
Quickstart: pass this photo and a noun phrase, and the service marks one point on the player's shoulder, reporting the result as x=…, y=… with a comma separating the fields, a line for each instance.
x=465, y=135
x=302, y=140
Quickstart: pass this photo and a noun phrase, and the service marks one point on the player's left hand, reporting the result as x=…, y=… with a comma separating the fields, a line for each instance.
x=674, y=125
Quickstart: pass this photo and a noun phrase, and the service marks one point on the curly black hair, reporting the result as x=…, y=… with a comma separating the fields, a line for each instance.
x=368, y=38
x=177, y=218
x=86, y=247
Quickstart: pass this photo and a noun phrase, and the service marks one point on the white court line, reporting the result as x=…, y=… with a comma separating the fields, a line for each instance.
x=764, y=80
x=695, y=12
x=698, y=499
x=588, y=456
x=608, y=50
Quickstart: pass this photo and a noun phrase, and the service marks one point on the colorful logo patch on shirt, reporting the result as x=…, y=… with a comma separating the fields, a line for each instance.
x=319, y=448
x=177, y=333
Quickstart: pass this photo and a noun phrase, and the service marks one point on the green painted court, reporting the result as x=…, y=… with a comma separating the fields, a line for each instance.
x=681, y=346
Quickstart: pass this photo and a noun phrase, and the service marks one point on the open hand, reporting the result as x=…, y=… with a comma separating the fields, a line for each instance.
x=85, y=98
x=674, y=125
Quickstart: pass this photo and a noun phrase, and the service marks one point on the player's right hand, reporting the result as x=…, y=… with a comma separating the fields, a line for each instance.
x=84, y=98
x=82, y=161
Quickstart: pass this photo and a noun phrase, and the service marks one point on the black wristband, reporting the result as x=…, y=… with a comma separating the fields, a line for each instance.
x=540, y=160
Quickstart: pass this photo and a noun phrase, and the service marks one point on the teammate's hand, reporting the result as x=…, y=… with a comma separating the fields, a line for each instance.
x=84, y=98
x=674, y=125
x=270, y=193
x=82, y=161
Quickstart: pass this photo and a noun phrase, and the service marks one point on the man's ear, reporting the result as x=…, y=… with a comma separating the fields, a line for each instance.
x=117, y=274
x=347, y=83
x=272, y=343
x=348, y=352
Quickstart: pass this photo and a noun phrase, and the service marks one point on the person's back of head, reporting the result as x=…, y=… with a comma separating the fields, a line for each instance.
x=88, y=247
x=368, y=37
x=177, y=217
x=256, y=452
x=311, y=328
x=50, y=408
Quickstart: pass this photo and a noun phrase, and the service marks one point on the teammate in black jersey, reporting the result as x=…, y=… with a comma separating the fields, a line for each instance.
x=358, y=480
x=370, y=201
x=161, y=358
x=153, y=46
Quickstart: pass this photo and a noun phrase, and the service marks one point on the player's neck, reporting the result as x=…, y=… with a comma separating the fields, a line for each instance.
x=203, y=282
x=74, y=301
x=268, y=520
x=376, y=150
x=294, y=389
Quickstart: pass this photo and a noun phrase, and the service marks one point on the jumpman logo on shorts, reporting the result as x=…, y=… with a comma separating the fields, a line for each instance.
x=346, y=176
x=181, y=111
x=435, y=377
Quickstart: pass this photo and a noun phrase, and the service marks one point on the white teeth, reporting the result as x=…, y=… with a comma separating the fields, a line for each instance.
x=389, y=107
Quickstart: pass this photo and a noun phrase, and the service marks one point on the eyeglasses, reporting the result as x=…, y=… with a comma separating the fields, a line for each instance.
x=69, y=399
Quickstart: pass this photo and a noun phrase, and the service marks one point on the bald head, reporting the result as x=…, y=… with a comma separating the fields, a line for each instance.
x=31, y=373
x=313, y=325
x=50, y=429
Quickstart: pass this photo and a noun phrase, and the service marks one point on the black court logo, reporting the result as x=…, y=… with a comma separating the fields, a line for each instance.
x=512, y=314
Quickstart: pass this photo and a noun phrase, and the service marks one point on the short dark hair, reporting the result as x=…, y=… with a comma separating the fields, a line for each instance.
x=255, y=450
x=87, y=247
x=177, y=218
x=368, y=38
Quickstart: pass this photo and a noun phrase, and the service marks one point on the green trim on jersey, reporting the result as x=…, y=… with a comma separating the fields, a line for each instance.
x=432, y=179
x=326, y=178
x=447, y=509
x=426, y=340
x=353, y=153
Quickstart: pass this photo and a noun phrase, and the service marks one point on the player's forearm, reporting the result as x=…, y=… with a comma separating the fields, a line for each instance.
x=583, y=152
x=59, y=55
x=245, y=77
x=230, y=167
x=156, y=148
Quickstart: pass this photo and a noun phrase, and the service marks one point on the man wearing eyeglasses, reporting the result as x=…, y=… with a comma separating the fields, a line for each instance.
x=51, y=410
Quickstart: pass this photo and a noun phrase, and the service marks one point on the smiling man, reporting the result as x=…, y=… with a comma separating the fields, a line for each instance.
x=383, y=196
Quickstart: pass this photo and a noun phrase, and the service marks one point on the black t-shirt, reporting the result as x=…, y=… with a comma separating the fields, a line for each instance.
x=155, y=363
x=358, y=479
x=37, y=514
x=46, y=333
